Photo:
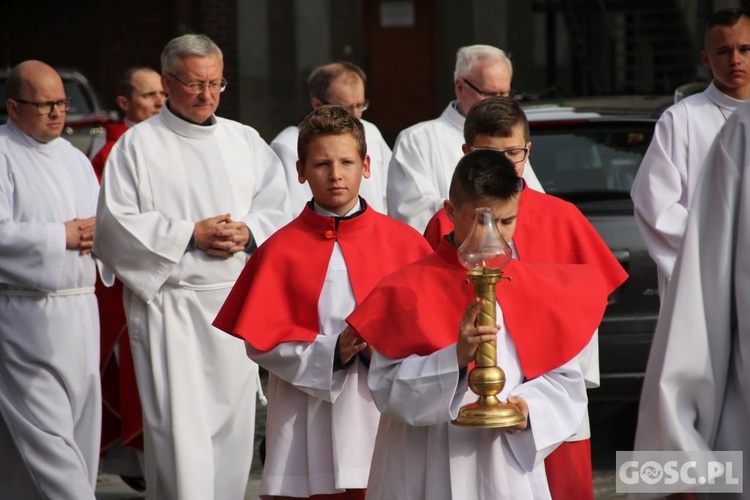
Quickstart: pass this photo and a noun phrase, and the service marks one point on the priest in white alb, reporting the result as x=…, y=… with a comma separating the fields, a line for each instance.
x=696, y=393
x=426, y=154
x=663, y=189
x=341, y=84
x=50, y=397
x=185, y=197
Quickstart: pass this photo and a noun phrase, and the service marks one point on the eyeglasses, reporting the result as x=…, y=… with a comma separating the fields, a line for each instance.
x=199, y=87
x=45, y=108
x=485, y=93
x=515, y=155
x=359, y=107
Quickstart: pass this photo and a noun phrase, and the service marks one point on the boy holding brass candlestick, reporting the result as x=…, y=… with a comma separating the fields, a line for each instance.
x=290, y=303
x=419, y=367
x=550, y=230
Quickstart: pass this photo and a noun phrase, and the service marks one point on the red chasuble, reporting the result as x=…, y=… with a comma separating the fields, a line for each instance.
x=276, y=297
x=549, y=230
x=551, y=310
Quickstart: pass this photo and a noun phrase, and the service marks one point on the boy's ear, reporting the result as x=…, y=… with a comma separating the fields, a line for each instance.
x=366, y=167
x=466, y=149
x=450, y=210
x=301, y=172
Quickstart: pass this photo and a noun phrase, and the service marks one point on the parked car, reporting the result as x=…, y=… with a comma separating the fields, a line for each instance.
x=587, y=151
x=84, y=122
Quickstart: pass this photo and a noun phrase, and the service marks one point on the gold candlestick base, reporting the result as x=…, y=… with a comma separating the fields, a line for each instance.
x=488, y=412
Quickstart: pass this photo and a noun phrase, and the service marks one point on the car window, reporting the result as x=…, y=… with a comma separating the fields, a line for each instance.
x=591, y=161
x=81, y=103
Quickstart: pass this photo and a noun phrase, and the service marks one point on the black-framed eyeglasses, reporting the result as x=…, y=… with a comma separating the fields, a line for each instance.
x=515, y=155
x=45, y=108
x=361, y=106
x=199, y=87
x=484, y=93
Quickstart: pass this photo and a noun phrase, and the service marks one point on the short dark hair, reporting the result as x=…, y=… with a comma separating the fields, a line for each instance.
x=725, y=17
x=484, y=174
x=124, y=80
x=319, y=82
x=330, y=120
x=495, y=117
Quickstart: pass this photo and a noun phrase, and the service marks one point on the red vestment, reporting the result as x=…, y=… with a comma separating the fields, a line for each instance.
x=122, y=414
x=549, y=229
x=275, y=299
x=551, y=310
x=114, y=131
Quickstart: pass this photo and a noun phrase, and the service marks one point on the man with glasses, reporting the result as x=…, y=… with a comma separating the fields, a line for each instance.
x=426, y=154
x=342, y=84
x=186, y=196
x=50, y=400
x=139, y=97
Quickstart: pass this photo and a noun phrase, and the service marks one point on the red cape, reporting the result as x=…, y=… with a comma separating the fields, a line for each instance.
x=114, y=132
x=551, y=310
x=276, y=297
x=122, y=414
x=549, y=230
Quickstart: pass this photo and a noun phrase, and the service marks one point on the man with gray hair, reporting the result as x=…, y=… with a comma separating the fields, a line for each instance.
x=185, y=197
x=50, y=398
x=342, y=84
x=426, y=154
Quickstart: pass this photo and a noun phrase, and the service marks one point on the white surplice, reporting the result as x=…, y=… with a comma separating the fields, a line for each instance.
x=373, y=190
x=696, y=393
x=196, y=384
x=50, y=396
x=321, y=424
x=663, y=188
x=424, y=158
x=420, y=454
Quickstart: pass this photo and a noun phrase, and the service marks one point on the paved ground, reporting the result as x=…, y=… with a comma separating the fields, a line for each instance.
x=612, y=429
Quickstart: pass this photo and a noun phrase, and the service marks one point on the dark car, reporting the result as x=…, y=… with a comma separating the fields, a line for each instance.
x=587, y=151
x=84, y=121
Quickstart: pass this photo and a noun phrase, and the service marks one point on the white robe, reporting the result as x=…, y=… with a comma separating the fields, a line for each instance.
x=372, y=190
x=696, y=393
x=663, y=188
x=321, y=424
x=196, y=384
x=50, y=396
x=424, y=158
x=420, y=454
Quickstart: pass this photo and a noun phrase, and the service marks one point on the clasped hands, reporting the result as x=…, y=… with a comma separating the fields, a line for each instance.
x=79, y=234
x=220, y=236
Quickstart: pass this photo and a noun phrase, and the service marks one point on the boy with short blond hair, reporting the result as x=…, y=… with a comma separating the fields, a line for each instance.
x=290, y=304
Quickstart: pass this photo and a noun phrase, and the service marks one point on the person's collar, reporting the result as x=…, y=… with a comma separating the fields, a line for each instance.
x=719, y=98
x=452, y=116
x=185, y=128
x=29, y=141
x=326, y=213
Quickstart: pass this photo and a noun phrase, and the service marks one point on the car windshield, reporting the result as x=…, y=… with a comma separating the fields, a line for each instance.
x=589, y=163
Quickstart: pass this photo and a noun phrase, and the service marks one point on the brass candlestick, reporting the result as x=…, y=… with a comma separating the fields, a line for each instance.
x=484, y=253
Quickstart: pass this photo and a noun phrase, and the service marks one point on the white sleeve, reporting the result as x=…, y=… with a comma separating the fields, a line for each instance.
x=299, y=193
x=412, y=195
x=418, y=390
x=557, y=402
x=147, y=245
x=308, y=366
x=658, y=191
